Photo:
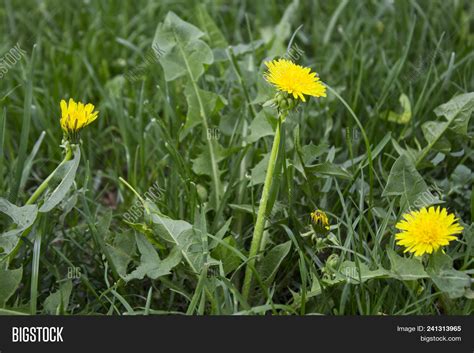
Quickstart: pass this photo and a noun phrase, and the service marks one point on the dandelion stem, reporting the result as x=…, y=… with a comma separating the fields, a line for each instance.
x=45, y=183
x=262, y=211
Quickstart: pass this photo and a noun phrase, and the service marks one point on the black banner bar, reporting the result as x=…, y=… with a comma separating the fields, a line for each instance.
x=209, y=334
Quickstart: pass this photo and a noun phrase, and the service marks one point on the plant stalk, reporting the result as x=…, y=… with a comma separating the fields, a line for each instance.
x=262, y=211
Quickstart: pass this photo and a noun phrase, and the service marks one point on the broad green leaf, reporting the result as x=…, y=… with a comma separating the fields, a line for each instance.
x=202, y=165
x=272, y=261
x=66, y=173
x=312, y=152
x=190, y=242
x=57, y=303
x=455, y=283
x=168, y=229
x=461, y=178
x=147, y=232
x=184, y=31
x=263, y=125
x=22, y=218
x=9, y=282
x=405, y=269
x=184, y=52
x=150, y=263
x=432, y=130
x=351, y=273
x=412, y=153
x=405, y=181
x=182, y=234
x=457, y=112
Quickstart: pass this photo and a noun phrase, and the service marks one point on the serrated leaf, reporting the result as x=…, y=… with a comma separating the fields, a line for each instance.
x=404, y=181
x=405, y=269
x=202, y=165
x=22, y=218
x=311, y=152
x=190, y=242
x=183, y=51
x=431, y=131
x=351, y=273
x=9, y=282
x=263, y=125
x=446, y=278
x=150, y=263
x=457, y=112
x=182, y=234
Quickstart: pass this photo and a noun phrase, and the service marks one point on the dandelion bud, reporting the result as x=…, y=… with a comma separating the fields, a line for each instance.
x=202, y=192
x=320, y=222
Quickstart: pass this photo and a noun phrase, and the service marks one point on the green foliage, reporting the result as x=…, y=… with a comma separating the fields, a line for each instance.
x=58, y=302
x=65, y=176
x=405, y=181
x=272, y=261
x=446, y=278
x=10, y=280
x=405, y=269
x=22, y=218
x=180, y=91
x=150, y=263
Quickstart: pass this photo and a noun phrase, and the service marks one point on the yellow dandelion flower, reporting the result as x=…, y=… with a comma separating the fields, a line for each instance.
x=294, y=79
x=75, y=116
x=320, y=221
x=426, y=230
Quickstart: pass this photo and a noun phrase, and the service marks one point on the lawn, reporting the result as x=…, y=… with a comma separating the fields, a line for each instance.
x=202, y=190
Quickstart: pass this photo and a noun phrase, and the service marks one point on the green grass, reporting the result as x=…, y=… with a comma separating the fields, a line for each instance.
x=336, y=154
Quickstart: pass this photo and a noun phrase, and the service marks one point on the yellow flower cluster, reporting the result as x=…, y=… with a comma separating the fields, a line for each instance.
x=426, y=230
x=76, y=116
x=294, y=79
